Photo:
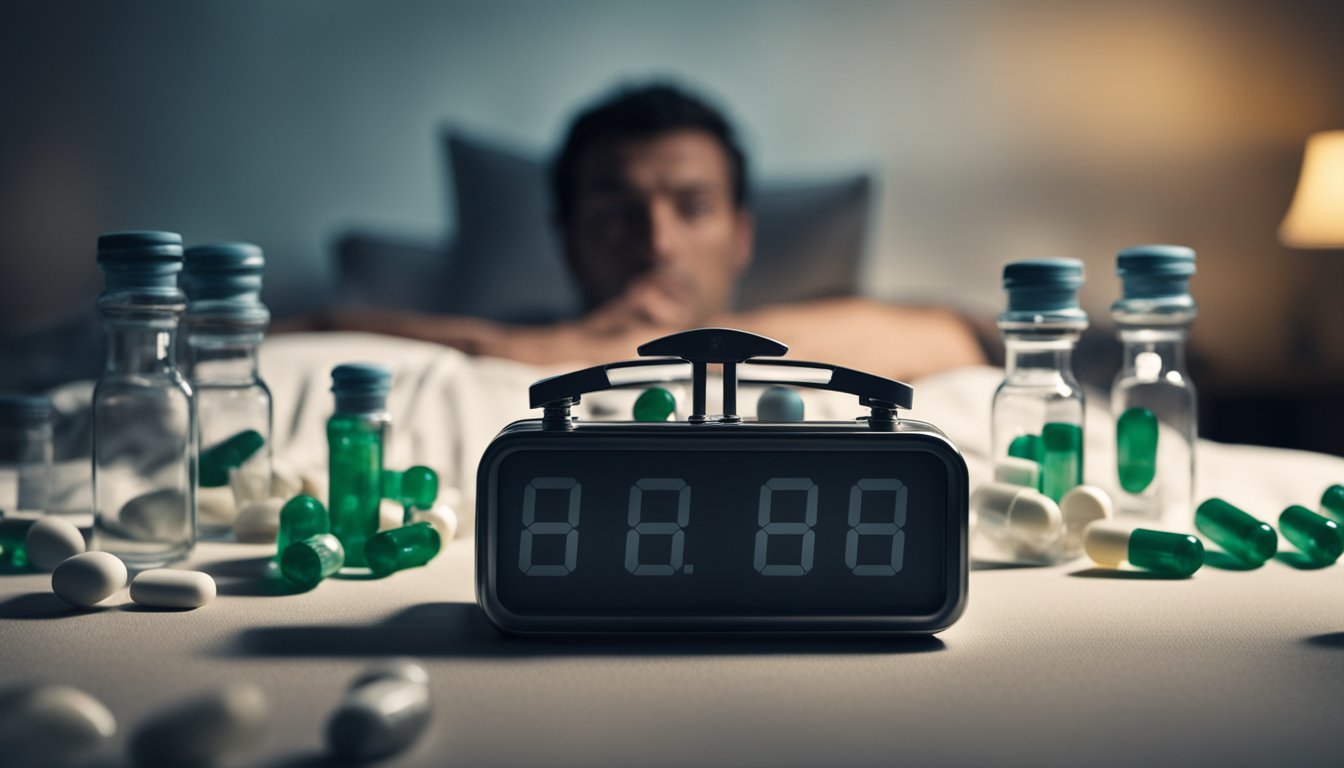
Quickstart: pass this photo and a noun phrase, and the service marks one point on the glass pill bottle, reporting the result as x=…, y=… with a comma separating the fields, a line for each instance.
x=25, y=471
x=144, y=421
x=1152, y=399
x=1038, y=409
x=225, y=323
x=356, y=434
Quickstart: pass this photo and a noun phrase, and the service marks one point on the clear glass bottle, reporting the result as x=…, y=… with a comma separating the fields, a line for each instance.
x=25, y=471
x=144, y=421
x=356, y=434
x=1152, y=399
x=225, y=323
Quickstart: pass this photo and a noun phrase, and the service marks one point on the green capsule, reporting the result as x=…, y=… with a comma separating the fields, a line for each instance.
x=300, y=518
x=1062, y=458
x=13, y=543
x=655, y=404
x=390, y=484
x=419, y=487
x=1136, y=449
x=1175, y=553
x=218, y=459
x=307, y=562
x=409, y=546
x=1026, y=447
x=1332, y=502
x=1319, y=538
x=1244, y=537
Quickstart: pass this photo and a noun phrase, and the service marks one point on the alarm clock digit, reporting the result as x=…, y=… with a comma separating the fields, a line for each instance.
x=639, y=527
x=893, y=529
x=769, y=527
x=532, y=529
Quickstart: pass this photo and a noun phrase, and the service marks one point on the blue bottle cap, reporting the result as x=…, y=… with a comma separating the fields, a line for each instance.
x=1043, y=291
x=360, y=387
x=224, y=271
x=143, y=259
x=1156, y=271
x=24, y=410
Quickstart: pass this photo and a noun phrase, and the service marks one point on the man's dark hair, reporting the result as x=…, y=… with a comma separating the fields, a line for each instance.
x=636, y=113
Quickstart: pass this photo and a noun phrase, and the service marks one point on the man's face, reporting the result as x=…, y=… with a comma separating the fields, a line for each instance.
x=655, y=225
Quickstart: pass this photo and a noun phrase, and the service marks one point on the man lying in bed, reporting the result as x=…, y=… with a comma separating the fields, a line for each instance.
x=651, y=200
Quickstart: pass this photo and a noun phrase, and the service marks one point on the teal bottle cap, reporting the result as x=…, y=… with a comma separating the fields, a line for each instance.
x=1043, y=291
x=1156, y=279
x=360, y=387
x=142, y=259
x=224, y=271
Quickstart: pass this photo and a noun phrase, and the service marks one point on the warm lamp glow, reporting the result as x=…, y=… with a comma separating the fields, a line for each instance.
x=1316, y=218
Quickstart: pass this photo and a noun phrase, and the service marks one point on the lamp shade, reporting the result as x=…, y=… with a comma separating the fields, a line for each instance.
x=1316, y=218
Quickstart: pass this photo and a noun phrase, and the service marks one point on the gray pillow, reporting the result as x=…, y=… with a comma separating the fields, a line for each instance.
x=508, y=264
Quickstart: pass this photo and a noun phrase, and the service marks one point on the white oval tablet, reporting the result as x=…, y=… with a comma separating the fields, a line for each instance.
x=215, y=506
x=171, y=588
x=1027, y=514
x=1018, y=471
x=258, y=522
x=50, y=724
x=378, y=718
x=89, y=578
x=1080, y=507
x=51, y=541
x=201, y=730
x=442, y=517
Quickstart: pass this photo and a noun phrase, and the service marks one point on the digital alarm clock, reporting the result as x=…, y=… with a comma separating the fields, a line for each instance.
x=718, y=524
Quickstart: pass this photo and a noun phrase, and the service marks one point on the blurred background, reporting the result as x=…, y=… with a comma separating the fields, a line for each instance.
x=991, y=131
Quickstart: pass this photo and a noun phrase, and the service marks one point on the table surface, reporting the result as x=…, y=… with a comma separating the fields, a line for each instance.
x=1048, y=666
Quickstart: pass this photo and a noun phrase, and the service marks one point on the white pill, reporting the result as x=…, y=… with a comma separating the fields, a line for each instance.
x=409, y=670
x=201, y=730
x=1029, y=515
x=379, y=717
x=258, y=521
x=50, y=724
x=89, y=578
x=1018, y=471
x=156, y=516
x=172, y=588
x=442, y=517
x=1107, y=543
x=51, y=541
x=216, y=506
x=390, y=515
x=1080, y=507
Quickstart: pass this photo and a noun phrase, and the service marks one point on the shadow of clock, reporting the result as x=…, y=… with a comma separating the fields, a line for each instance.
x=461, y=630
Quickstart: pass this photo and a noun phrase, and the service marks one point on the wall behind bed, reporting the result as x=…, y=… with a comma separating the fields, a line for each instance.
x=999, y=129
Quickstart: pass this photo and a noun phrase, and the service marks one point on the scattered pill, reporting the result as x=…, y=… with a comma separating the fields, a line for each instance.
x=202, y=729
x=88, y=578
x=1028, y=515
x=1241, y=535
x=51, y=541
x=655, y=404
x=159, y=515
x=51, y=724
x=780, y=404
x=258, y=521
x=442, y=517
x=1332, y=502
x=172, y=588
x=216, y=461
x=409, y=546
x=300, y=517
x=384, y=712
x=1080, y=507
x=406, y=669
x=419, y=487
x=1136, y=449
x=1061, y=458
x=1026, y=447
x=1111, y=544
x=216, y=506
x=306, y=563
x=1319, y=537
x=1012, y=469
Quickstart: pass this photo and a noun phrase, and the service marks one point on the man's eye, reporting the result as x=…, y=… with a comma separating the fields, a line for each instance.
x=695, y=207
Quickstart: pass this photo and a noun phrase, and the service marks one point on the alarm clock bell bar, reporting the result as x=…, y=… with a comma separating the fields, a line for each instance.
x=727, y=347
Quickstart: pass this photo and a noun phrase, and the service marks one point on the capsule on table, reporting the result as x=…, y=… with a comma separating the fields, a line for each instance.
x=1018, y=471
x=654, y=404
x=306, y=563
x=1319, y=538
x=1027, y=515
x=218, y=459
x=779, y=404
x=1332, y=502
x=409, y=546
x=1241, y=535
x=419, y=487
x=1061, y=458
x=1136, y=449
x=1026, y=447
x=301, y=517
x=1111, y=544
x=386, y=709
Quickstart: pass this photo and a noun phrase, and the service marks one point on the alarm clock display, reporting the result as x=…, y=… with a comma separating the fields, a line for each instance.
x=719, y=524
